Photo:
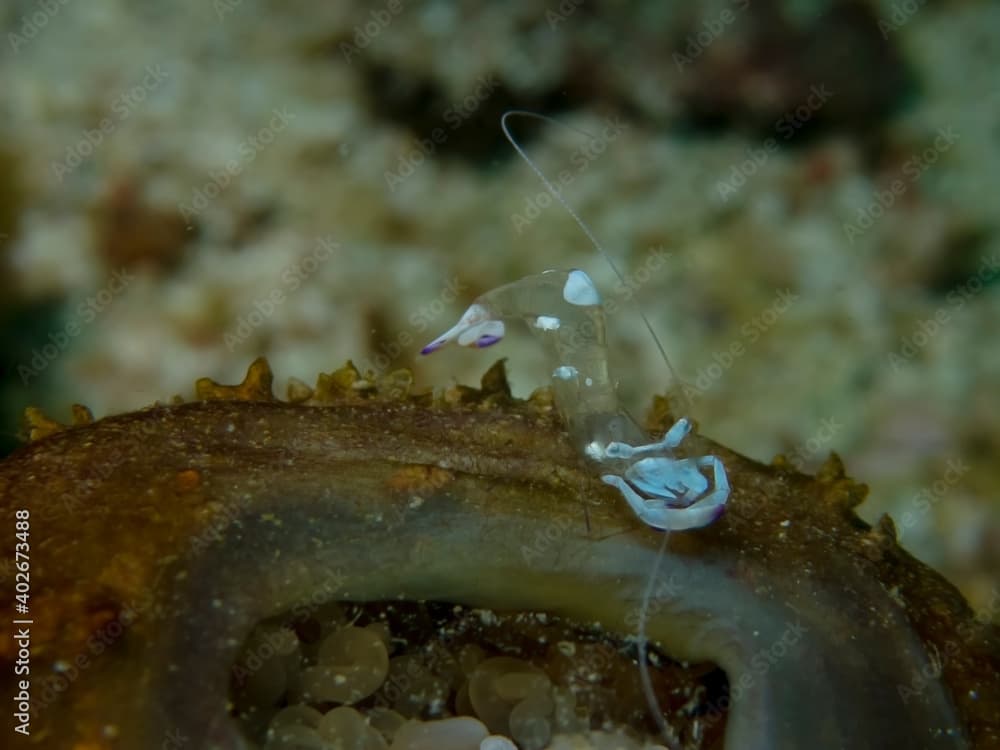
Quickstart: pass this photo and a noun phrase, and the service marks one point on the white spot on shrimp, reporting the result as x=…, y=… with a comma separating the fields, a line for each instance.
x=565, y=372
x=580, y=290
x=547, y=323
x=589, y=381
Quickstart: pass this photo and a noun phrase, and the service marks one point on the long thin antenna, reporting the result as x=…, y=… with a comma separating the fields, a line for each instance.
x=669, y=736
x=554, y=191
x=647, y=683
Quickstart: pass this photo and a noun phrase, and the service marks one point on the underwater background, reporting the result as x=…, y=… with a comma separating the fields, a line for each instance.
x=802, y=194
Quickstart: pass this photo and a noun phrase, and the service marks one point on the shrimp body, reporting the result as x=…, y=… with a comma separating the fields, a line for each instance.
x=564, y=311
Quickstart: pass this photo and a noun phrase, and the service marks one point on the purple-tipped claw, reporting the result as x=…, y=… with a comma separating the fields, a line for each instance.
x=483, y=341
x=472, y=317
x=475, y=328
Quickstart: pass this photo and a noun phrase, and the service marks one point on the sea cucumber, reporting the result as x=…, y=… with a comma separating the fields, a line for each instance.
x=178, y=527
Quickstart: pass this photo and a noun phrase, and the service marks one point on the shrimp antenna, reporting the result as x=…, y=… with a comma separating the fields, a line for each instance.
x=642, y=645
x=642, y=642
x=554, y=191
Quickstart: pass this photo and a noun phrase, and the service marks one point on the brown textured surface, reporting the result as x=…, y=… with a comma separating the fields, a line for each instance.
x=116, y=503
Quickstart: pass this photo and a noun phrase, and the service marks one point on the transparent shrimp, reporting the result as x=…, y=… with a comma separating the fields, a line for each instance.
x=564, y=310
